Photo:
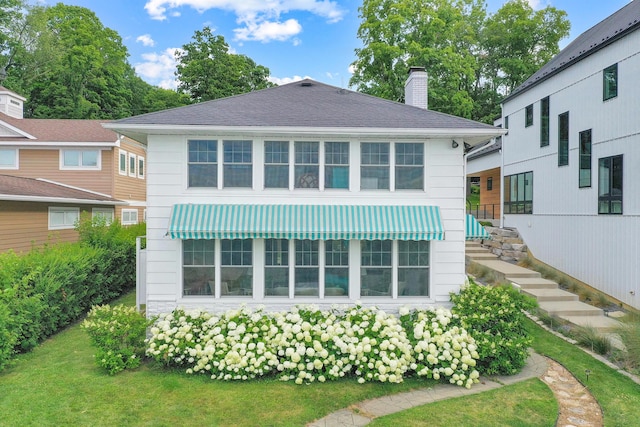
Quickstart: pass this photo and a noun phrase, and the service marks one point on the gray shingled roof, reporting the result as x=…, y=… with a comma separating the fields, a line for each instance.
x=621, y=23
x=12, y=187
x=305, y=103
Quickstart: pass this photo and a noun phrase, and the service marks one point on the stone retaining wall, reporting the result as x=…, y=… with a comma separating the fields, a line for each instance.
x=506, y=243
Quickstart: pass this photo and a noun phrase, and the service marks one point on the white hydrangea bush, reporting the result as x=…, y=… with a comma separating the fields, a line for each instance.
x=441, y=349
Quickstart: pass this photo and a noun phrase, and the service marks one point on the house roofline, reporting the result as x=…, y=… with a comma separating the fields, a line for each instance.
x=41, y=199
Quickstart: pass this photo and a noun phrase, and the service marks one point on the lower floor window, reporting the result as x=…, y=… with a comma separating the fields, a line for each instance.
x=129, y=216
x=63, y=218
x=610, y=185
x=518, y=193
x=306, y=268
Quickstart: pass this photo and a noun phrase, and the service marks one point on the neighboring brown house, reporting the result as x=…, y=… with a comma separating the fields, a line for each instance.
x=37, y=211
x=483, y=165
x=76, y=153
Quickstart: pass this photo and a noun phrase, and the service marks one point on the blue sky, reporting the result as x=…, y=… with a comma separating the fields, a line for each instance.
x=293, y=38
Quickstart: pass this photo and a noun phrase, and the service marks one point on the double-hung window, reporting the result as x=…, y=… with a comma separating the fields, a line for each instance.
x=80, y=159
x=236, y=267
x=132, y=165
x=413, y=268
x=307, y=270
x=409, y=166
x=544, y=122
x=563, y=139
x=237, y=164
x=141, y=170
x=374, y=166
x=8, y=158
x=336, y=272
x=610, y=185
x=336, y=161
x=276, y=164
x=307, y=166
x=198, y=267
x=276, y=267
x=203, y=163
x=376, y=267
x=122, y=162
x=610, y=82
x=584, y=177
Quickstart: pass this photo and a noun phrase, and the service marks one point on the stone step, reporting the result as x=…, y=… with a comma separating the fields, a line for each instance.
x=601, y=323
x=569, y=308
x=505, y=269
x=482, y=256
x=533, y=283
x=475, y=250
x=550, y=294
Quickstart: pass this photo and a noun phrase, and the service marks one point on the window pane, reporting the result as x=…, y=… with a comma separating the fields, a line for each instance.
x=132, y=165
x=198, y=267
x=336, y=275
x=203, y=175
x=409, y=166
x=544, y=122
x=7, y=158
x=276, y=176
x=237, y=164
x=236, y=272
x=71, y=158
x=123, y=162
x=375, y=274
x=610, y=176
x=374, y=170
x=610, y=82
x=563, y=139
x=336, y=153
x=528, y=111
x=276, y=169
x=306, y=270
x=203, y=168
x=306, y=170
x=276, y=270
x=584, y=179
x=413, y=268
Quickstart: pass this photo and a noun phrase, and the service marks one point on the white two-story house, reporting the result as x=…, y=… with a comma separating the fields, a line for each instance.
x=572, y=155
x=304, y=193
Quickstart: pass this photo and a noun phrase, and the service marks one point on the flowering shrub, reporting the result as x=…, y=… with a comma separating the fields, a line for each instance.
x=494, y=317
x=440, y=350
x=118, y=333
x=306, y=345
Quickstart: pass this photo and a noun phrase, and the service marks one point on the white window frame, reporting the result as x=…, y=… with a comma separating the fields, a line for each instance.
x=132, y=173
x=67, y=224
x=16, y=159
x=122, y=153
x=98, y=165
x=141, y=170
x=108, y=213
x=129, y=221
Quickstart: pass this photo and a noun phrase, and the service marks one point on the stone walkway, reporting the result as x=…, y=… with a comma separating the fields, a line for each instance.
x=577, y=406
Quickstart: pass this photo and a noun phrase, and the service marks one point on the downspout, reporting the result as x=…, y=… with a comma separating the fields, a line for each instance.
x=504, y=143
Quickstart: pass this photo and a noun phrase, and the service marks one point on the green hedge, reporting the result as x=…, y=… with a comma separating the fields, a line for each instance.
x=48, y=288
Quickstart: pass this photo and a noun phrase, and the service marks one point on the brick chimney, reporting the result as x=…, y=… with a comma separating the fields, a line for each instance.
x=416, y=88
x=11, y=103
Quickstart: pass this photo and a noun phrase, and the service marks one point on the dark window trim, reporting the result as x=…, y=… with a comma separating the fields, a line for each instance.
x=544, y=122
x=522, y=204
x=606, y=94
x=528, y=115
x=584, y=158
x=563, y=140
x=490, y=184
x=608, y=198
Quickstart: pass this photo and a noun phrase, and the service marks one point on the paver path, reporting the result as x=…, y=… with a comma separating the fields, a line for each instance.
x=577, y=407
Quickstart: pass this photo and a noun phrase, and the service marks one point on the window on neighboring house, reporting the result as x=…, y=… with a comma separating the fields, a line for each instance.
x=336, y=272
x=141, y=170
x=413, y=268
x=610, y=185
x=307, y=270
x=528, y=116
x=276, y=164
x=544, y=122
x=129, y=216
x=409, y=166
x=506, y=122
x=563, y=139
x=336, y=169
x=518, y=193
x=132, y=165
x=489, y=184
x=8, y=158
x=610, y=82
x=276, y=267
x=105, y=214
x=584, y=179
x=198, y=267
x=236, y=267
x=374, y=166
x=376, y=267
x=61, y=218
x=307, y=168
x=80, y=159
x=203, y=163
x=237, y=164
x=122, y=162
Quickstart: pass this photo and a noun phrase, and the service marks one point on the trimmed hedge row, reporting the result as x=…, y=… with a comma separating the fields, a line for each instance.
x=48, y=288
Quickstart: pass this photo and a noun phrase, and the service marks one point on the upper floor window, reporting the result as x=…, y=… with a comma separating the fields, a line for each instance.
x=563, y=139
x=610, y=82
x=8, y=158
x=584, y=178
x=374, y=166
x=506, y=122
x=490, y=184
x=237, y=167
x=203, y=163
x=307, y=167
x=122, y=162
x=544, y=122
x=141, y=170
x=528, y=116
x=409, y=166
x=336, y=165
x=63, y=218
x=80, y=159
x=132, y=165
x=276, y=164
x=518, y=193
x=610, y=185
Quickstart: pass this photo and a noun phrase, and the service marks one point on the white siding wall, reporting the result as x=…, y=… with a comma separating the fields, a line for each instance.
x=167, y=185
x=565, y=230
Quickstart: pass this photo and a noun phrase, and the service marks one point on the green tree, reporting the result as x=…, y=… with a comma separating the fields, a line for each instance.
x=206, y=70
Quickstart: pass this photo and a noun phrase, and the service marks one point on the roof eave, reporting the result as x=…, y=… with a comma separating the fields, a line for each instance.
x=41, y=199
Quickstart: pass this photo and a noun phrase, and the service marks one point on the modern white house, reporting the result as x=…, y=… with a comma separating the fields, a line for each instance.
x=304, y=193
x=571, y=158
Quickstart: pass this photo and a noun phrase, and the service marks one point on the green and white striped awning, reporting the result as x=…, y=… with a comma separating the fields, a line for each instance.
x=315, y=222
x=475, y=231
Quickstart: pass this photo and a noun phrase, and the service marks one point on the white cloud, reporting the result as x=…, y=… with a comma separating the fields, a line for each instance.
x=284, y=80
x=259, y=19
x=146, y=40
x=535, y=4
x=351, y=69
x=159, y=68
